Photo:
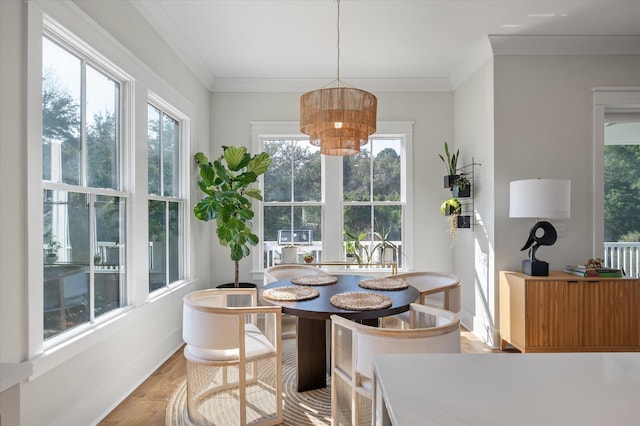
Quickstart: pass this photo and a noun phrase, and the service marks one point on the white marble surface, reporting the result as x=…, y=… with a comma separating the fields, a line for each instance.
x=511, y=389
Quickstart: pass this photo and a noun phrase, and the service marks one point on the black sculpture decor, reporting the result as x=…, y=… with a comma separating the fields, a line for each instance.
x=534, y=266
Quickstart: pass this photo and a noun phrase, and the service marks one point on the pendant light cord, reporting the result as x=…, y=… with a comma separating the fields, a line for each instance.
x=338, y=28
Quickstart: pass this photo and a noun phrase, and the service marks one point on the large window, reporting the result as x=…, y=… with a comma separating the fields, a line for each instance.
x=84, y=206
x=166, y=208
x=309, y=199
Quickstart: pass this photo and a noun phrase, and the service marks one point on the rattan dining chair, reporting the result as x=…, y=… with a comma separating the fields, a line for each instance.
x=281, y=272
x=234, y=358
x=437, y=289
x=353, y=345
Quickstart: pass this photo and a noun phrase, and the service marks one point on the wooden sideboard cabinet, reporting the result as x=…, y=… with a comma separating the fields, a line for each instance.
x=566, y=313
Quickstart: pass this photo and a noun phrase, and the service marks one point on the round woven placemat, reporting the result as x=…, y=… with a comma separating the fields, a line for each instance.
x=290, y=294
x=321, y=279
x=384, y=284
x=360, y=301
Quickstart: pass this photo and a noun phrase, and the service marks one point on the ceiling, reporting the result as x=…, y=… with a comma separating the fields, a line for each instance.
x=395, y=45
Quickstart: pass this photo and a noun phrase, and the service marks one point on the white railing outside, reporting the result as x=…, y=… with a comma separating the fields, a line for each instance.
x=625, y=256
x=273, y=253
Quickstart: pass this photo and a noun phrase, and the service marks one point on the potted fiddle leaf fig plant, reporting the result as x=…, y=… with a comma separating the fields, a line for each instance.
x=228, y=187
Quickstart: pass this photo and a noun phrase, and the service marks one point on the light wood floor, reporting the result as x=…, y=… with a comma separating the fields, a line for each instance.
x=146, y=405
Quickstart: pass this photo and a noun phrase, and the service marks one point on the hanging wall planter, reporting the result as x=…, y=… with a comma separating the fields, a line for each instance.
x=464, y=221
x=461, y=192
x=450, y=206
x=450, y=181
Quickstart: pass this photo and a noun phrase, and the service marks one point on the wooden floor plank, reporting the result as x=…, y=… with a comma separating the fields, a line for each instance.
x=147, y=404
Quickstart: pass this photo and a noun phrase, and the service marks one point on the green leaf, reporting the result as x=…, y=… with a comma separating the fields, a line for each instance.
x=259, y=163
x=245, y=214
x=254, y=193
x=246, y=178
x=206, y=209
x=236, y=157
x=201, y=158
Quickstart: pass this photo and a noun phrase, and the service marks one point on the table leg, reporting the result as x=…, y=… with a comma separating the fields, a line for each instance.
x=311, y=336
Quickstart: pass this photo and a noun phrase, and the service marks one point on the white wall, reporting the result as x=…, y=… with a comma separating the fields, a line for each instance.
x=543, y=128
x=474, y=254
x=79, y=383
x=231, y=114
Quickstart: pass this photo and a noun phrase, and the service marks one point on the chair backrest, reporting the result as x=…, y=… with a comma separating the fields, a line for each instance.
x=212, y=328
x=433, y=330
x=437, y=289
x=281, y=272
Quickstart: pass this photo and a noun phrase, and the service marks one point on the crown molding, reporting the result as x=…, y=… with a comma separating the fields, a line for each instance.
x=374, y=85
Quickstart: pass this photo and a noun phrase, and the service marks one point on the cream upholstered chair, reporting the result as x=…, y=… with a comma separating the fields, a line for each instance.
x=353, y=346
x=436, y=289
x=234, y=358
x=281, y=272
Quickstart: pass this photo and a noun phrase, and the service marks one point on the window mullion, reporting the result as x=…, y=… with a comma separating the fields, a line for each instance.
x=92, y=249
x=84, y=178
x=161, y=152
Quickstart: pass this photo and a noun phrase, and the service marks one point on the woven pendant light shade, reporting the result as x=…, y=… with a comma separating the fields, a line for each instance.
x=339, y=119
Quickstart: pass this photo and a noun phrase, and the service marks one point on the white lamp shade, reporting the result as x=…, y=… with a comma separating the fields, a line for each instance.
x=540, y=198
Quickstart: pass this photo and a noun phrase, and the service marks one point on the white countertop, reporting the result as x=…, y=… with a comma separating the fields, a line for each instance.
x=511, y=389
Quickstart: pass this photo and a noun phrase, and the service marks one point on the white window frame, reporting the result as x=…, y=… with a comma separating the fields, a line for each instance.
x=139, y=80
x=333, y=199
x=183, y=185
x=70, y=42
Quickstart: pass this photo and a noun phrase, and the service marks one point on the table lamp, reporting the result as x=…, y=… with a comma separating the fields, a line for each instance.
x=539, y=198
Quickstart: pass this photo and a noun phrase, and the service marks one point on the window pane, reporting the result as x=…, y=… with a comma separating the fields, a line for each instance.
x=157, y=245
x=153, y=149
x=174, y=242
x=276, y=218
x=61, y=143
x=170, y=137
x=307, y=172
x=109, y=274
x=357, y=175
x=277, y=179
x=66, y=266
x=386, y=169
x=388, y=226
x=102, y=130
x=308, y=218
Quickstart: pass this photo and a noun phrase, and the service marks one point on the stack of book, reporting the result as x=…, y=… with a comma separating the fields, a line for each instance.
x=583, y=271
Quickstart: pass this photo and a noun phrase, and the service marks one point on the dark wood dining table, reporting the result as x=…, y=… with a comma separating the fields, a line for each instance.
x=312, y=316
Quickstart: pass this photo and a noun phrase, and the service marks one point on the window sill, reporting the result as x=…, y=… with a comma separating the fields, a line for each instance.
x=90, y=335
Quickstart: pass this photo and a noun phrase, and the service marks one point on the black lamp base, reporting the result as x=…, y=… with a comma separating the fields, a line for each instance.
x=535, y=268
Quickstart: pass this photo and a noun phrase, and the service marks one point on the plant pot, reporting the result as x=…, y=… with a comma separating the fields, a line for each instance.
x=464, y=221
x=309, y=260
x=450, y=180
x=461, y=193
x=50, y=258
x=451, y=211
x=387, y=255
x=289, y=254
